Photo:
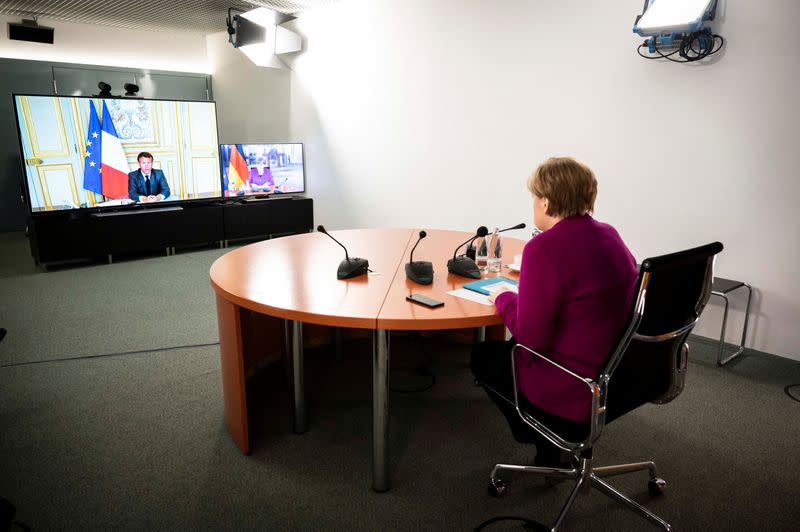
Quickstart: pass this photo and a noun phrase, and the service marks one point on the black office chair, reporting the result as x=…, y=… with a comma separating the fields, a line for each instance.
x=648, y=364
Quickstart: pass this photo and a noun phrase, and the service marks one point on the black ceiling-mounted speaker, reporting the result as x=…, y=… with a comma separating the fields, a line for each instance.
x=29, y=30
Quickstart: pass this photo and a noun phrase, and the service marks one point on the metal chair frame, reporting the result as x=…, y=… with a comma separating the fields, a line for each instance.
x=723, y=293
x=585, y=474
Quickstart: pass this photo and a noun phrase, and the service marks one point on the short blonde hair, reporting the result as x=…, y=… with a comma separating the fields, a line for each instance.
x=568, y=185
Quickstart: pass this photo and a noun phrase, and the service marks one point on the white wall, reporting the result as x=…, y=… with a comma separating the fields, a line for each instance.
x=432, y=114
x=103, y=45
x=252, y=101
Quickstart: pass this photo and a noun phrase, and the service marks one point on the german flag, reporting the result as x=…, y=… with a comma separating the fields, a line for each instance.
x=237, y=167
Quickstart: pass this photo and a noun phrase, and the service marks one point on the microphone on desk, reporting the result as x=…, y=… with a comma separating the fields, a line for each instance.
x=465, y=266
x=349, y=267
x=276, y=191
x=420, y=271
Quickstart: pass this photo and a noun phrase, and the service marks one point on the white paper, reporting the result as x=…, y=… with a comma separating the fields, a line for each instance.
x=463, y=293
x=494, y=287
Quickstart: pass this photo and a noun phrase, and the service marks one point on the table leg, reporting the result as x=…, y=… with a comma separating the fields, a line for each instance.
x=480, y=334
x=297, y=378
x=495, y=333
x=380, y=410
x=287, y=356
x=337, y=342
x=232, y=369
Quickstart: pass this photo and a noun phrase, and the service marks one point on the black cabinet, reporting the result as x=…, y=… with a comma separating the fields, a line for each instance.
x=56, y=237
x=268, y=217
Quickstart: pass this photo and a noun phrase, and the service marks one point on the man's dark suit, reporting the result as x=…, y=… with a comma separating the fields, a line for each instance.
x=137, y=186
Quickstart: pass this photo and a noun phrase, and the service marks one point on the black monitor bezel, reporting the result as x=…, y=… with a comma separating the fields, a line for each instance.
x=131, y=207
x=260, y=195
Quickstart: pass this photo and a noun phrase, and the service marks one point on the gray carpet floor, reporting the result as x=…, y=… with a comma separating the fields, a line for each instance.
x=133, y=304
x=137, y=440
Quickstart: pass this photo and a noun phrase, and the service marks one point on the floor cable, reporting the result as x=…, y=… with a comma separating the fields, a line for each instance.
x=103, y=355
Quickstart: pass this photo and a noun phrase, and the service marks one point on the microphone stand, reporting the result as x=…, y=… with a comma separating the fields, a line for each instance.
x=349, y=267
x=420, y=271
x=464, y=265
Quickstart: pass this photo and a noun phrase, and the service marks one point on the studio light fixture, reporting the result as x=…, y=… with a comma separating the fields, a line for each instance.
x=669, y=16
x=258, y=34
x=678, y=30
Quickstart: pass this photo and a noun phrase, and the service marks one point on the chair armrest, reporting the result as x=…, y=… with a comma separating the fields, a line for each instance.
x=533, y=353
x=597, y=415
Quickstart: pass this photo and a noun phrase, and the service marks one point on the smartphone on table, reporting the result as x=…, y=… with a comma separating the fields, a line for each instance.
x=424, y=300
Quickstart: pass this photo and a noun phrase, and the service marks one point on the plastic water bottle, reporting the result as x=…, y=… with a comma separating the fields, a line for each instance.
x=495, y=248
x=481, y=253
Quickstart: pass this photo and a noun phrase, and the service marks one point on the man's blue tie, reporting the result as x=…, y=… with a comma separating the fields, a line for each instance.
x=147, y=184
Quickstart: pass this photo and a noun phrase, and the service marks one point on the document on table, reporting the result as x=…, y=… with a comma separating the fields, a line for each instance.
x=477, y=297
x=472, y=296
x=494, y=287
x=488, y=285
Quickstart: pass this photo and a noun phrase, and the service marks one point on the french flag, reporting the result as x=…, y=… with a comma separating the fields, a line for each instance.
x=114, y=173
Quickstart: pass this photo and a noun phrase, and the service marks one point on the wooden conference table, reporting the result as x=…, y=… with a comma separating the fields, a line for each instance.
x=266, y=291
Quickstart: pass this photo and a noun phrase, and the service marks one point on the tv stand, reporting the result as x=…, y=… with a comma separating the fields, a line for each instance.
x=273, y=196
x=141, y=211
x=79, y=234
x=260, y=217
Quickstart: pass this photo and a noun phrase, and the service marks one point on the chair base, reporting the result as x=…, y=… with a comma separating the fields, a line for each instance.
x=587, y=477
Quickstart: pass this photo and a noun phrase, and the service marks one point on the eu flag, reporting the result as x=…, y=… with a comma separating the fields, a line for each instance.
x=92, y=154
x=225, y=155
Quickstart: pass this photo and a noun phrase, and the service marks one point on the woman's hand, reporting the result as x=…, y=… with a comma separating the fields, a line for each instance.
x=493, y=295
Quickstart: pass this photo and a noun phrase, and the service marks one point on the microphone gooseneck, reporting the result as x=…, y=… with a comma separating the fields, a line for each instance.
x=482, y=231
x=419, y=272
x=422, y=234
x=455, y=251
x=322, y=230
x=348, y=268
x=518, y=226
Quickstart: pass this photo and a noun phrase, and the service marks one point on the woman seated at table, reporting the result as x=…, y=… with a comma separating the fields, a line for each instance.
x=576, y=287
x=262, y=180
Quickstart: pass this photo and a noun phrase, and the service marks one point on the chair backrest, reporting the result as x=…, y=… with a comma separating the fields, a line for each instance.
x=645, y=366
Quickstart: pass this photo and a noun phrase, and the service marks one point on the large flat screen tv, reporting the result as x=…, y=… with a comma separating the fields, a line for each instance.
x=262, y=169
x=83, y=152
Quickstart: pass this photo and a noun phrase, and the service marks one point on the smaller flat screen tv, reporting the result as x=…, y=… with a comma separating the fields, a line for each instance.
x=262, y=169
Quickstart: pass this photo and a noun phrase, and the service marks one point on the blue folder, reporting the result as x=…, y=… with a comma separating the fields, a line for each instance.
x=478, y=286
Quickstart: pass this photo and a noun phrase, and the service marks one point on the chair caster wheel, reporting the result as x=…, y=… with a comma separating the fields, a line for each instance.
x=657, y=486
x=496, y=487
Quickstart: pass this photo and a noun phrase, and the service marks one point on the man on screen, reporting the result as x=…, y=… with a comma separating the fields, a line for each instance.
x=147, y=184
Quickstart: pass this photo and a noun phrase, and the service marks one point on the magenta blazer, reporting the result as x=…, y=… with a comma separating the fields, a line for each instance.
x=576, y=289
